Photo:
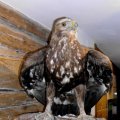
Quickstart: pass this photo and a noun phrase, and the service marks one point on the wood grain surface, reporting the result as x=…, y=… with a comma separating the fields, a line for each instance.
x=19, y=36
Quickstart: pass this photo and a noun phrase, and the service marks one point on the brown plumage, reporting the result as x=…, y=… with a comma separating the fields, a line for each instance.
x=73, y=73
x=64, y=58
x=67, y=64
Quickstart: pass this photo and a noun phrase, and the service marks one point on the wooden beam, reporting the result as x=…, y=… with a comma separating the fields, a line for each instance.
x=102, y=108
x=19, y=37
x=11, y=112
x=13, y=65
x=11, y=53
x=16, y=98
x=21, y=21
x=8, y=78
x=18, y=40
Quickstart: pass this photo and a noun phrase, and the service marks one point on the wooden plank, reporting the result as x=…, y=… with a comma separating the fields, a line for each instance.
x=17, y=40
x=12, y=112
x=23, y=22
x=9, y=81
x=16, y=98
x=102, y=107
x=19, y=36
x=13, y=65
x=13, y=101
x=9, y=72
x=102, y=113
x=10, y=53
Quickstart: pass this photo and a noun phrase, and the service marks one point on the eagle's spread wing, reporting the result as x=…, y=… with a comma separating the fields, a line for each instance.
x=99, y=72
x=32, y=75
x=67, y=64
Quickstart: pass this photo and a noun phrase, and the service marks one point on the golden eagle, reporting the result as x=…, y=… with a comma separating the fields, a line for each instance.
x=69, y=78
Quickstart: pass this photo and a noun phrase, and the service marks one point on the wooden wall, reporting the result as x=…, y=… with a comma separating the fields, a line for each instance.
x=18, y=36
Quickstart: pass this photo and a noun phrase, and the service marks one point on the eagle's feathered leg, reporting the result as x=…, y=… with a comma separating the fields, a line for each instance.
x=80, y=95
x=50, y=92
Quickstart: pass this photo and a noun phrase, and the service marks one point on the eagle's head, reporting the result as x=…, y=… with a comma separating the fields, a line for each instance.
x=64, y=24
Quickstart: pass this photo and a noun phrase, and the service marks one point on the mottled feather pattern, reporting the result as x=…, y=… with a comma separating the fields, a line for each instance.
x=99, y=70
x=32, y=76
x=73, y=77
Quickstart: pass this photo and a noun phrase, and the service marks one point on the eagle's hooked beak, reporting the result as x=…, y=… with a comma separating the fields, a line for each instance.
x=74, y=25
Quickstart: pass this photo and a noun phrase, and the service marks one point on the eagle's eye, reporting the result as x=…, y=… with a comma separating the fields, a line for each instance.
x=63, y=24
